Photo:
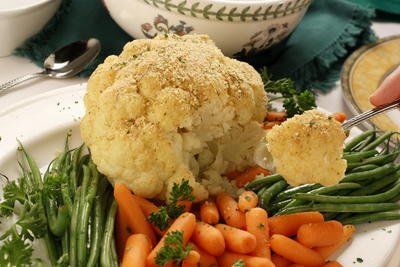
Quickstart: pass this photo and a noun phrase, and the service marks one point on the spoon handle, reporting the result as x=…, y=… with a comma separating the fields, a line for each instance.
x=371, y=113
x=19, y=80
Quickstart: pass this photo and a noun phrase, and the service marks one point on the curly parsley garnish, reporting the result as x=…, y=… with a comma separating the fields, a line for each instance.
x=238, y=263
x=294, y=101
x=174, y=249
x=179, y=192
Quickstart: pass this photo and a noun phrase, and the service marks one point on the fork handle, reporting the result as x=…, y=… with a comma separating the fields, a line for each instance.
x=371, y=113
x=14, y=82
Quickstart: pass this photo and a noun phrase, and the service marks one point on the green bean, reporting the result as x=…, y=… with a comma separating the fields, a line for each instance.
x=371, y=217
x=356, y=140
x=74, y=228
x=325, y=190
x=271, y=192
x=376, y=185
x=65, y=245
x=364, y=143
x=96, y=231
x=363, y=168
x=340, y=207
x=378, y=160
x=67, y=198
x=382, y=197
x=278, y=205
x=57, y=223
x=73, y=172
x=298, y=189
x=378, y=141
x=261, y=191
x=51, y=248
x=85, y=214
x=267, y=180
x=375, y=173
x=105, y=257
x=359, y=156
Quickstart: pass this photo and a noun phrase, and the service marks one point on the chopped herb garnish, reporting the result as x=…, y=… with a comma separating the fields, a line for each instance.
x=174, y=249
x=294, y=101
x=359, y=260
x=179, y=192
x=261, y=225
x=238, y=263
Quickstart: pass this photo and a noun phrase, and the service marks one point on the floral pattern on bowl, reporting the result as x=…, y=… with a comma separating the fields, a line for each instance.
x=161, y=25
x=264, y=39
x=237, y=27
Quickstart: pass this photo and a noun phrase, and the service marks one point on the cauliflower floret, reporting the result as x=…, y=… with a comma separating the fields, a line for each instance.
x=308, y=148
x=173, y=108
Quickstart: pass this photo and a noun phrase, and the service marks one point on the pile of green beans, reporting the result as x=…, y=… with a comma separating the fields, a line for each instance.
x=81, y=220
x=369, y=191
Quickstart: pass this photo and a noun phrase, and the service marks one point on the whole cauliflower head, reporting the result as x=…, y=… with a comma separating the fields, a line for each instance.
x=173, y=108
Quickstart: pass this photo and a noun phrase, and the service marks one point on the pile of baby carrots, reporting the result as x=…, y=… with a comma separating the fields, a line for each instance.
x=223, y=231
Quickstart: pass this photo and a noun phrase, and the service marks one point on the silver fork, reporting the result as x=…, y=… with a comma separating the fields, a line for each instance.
x=370, y=113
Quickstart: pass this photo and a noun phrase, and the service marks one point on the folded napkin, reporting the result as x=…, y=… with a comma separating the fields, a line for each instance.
x=312, y=55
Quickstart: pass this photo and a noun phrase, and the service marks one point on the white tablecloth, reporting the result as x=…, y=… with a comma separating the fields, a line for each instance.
x=12, y=67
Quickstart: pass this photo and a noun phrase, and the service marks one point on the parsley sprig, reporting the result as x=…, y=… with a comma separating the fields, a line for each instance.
x=180, y=192
x=294, y=101
x=174, y=249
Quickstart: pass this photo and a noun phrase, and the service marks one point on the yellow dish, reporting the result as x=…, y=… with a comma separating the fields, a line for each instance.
x=362, y=73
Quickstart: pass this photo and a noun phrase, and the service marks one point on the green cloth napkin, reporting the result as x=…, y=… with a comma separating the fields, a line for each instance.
x=312, y=55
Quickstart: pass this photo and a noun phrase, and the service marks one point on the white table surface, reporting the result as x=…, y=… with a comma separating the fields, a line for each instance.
x=12, y=67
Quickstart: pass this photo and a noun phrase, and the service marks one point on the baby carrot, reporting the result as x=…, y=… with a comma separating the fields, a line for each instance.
x=138, y=247
x=229, y=210
x=250, y=174
x=122, y=232
x=191, y=260
x=232, y=175
x=320, y=234
x=186, y=203
x=229, y=258
x=237, y=240
x=296, y=265
x=332, y=264
x=209, y=212
x=209, y=238
x=280, y=261
x=276, y=116
x=206, y=260
x=186, y=223
x=327, y=251
x=269, y=124
x=147, y=208
x=257, y=224
x=289, y=224
x=136, y=220
x=294, y=251
x=247, y=200
x=339, y=116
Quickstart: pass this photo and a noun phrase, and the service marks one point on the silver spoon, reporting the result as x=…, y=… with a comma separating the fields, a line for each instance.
x=370, y=113
x=64, y=63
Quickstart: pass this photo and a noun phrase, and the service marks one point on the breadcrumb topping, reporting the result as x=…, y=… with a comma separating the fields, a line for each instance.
x=308, y=148
x=167, y=109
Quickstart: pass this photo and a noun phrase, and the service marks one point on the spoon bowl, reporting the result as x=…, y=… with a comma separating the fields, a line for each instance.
x=64, y=63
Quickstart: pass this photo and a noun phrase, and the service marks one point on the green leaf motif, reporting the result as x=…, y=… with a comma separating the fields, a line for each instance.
x=220, y=13
x=181, y=7
x=194, y=10
x=243, y=13
x=211, y=11
x=206, y=11
x=232, y=13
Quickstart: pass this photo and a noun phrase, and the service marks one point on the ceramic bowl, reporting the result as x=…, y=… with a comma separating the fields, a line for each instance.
x=22, y=19
x=238, y=27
